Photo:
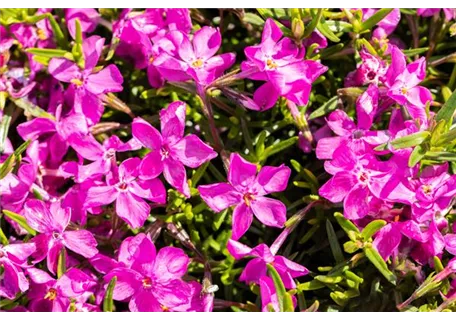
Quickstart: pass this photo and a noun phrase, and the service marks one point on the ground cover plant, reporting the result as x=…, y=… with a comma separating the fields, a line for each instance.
x=227, y=159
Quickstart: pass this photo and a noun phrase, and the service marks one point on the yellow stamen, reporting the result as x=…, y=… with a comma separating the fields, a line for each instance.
x=76, y=82
x=51, y=294
x=147, y=283
x=271, y=64
x=197, y=63
x=427, y=189
x=165, y=308
x=248, y=198
x=404, y=90
x=41, y=35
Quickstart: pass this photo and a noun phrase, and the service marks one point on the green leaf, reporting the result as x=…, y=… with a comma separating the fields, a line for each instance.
x=265, y=13
x=334, y=243
x=377, y=260
x=416, y=155
x=108, y=303
x=7, y=166
x=437, y=132
x=326, y=108
x=445, y=138
x=198, y=174
x=350, y=229
x=313, y=22
x=311, y=285
x=61, y=263
x=374, y=19
x=278, y=147
x=339, y=26
x=57, y=31
x=51, y=53
x=253, y=19
x=20, y=221
x=77, y=50
x=410, y=140
x=4, y=126
x=372, y=229
x=329, y=279
x=323, y=27
x=32, y=109
x=3, y=239
x=416, y=51
x=259, y=145
x=440, y=156
x=447, y=110
x=284, y=299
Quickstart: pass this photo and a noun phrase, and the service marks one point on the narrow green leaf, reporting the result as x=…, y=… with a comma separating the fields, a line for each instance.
x=416, y=51
x=446, y=138
x=61, y=263
x=313, y=23
x=334, y=243
x=440, y=156
x=3, y=239
x=199, y=173
x=278, y=147
x=416, y=155
x=349, y=228
x=437, y=132
x=374, y=19
x=284, y=299
x=377, y=260
x=328, y=52
x=326, y=108
x=447, y=110
x=253, y=19
x=372, y=229
x=323, y=27
x=32, y=109
x=311, y=285
x=410, y=140
x=329, y=279
x=20, y=221
x=259, y=145
x=50, y=53
x=7, y=166
x=265, y=13
x=57, y=31
x=4, y=126
x=337, y=26
x=108, y=303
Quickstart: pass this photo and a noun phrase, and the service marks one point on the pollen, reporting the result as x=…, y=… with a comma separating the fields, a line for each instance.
x=404, y=90
x=427, y=189
x=77, y=82
x=147, y=283
x=165, y=308
x=271, y=64
x=198, y=63
x=41, y=35
x=248, y=198
x=51, y=294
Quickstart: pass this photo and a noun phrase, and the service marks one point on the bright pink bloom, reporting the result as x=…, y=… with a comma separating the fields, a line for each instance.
x=194, y=58
x=246, y=190
x=12, y=258
x=150, y=281
x=170, y=150
x=128, y=193
x=88, y=19
x=51, y=222
x=269, y=297
x=256, y=268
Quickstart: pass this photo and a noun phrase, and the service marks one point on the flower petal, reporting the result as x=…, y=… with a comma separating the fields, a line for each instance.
x=175, y=174
x=242, y=219
x=270, y=212
x=132, y=209
x=64, y=70
x=82, y=242
x=271, y=179
x=192, y=152
x=170, y=263
x=219, y=196
x=241, y=173
x=146, y=134
x=151, y=165
x=172, y=122
x=108, y=79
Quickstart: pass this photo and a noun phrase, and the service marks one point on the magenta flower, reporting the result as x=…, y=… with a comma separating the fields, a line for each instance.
x=357, y=136
x=246, y=190
x=450, y=13
x=51, y=221
x=88, y=85
x=128, y=193
x=170, y=150
x=387, y=25
x=88, y=19
x=12, y=258
x=256, y=268
x=47, y=294
x=372, y=69
x=150, y=281
x=194, y=58
x=280, y=63
x=403, y=81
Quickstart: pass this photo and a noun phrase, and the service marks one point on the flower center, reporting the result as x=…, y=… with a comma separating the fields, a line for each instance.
x=165, y=308
x=77, y=82
x=164, y=153
x=56, y=236
x=41, y=35
x=122, y=186
x=371, y=75
x=51, y=294
x=427, y=189
x=109, y=153
x=271, y=64
x=357, y=134
x=404, y=90
x=248, y=198
x=198, y=63
x=147, y=283
x=363, y=177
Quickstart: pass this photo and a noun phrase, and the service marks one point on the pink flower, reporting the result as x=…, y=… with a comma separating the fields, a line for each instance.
x=51, y=221
x=12, y=258
x=269, y=297
x=88, y=18
x=170, y=150
x=128, y=192
x=48, y=294
x=256, y=268
x=150, y=281
x=280, y=63
x=246, y=190
x=194, y=58
x=88, y=85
